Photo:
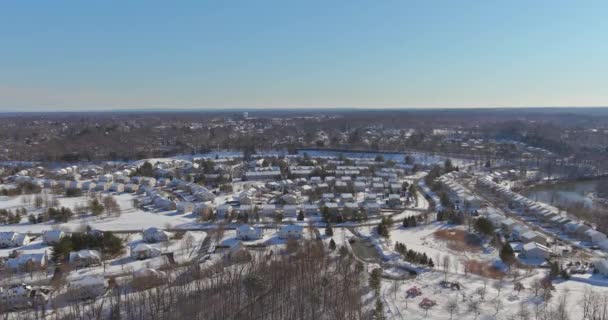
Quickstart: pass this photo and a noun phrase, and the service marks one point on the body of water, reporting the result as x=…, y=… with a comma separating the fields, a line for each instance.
x=567, y=193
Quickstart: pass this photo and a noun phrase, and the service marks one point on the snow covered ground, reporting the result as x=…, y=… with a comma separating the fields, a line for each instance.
x=130, y=219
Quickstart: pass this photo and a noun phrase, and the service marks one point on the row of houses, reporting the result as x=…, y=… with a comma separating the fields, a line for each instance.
x=548, y=215
x=460, y=196
x=246, y=232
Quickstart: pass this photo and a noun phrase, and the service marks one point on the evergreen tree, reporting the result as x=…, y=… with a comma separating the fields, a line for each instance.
x=375, y=280
x=332, y=245
x=379, y=310
x=62, y=249
x=484, y=226
x=96, y=207
x=329, y=231
x=507, y=255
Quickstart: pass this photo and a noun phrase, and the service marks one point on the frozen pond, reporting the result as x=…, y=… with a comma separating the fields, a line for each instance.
x=568, y=193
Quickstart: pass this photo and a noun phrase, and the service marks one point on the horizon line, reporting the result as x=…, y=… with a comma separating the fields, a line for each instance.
x=262, y=109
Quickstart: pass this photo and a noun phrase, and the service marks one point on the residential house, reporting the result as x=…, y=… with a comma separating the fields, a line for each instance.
x=533, y=236
x=30, y=261
x=13, y=239
x=153, y=235
x=269, y=210
x=291, y=210
x=291, y=231
x=85, y=288
x=246, y=232
x=371, y=208
x=594, y=236
x=393, y=200
x=184, y=207
x=51, y=237
x=144, y=251
x=533, y=250
x=310, y=209
x=85, y=258
x=223, y=210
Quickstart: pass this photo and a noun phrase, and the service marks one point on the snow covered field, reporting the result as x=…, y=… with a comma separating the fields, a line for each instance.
x=130, y=219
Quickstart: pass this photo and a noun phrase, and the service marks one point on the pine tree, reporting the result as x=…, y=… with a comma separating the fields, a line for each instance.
x=375, y=280
x=332, y=245
x=507, y=255
x=379, y=310
x=329, y=231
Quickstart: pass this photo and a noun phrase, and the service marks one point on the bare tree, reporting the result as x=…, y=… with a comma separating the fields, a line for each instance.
x=446, y=263
x=452, y=307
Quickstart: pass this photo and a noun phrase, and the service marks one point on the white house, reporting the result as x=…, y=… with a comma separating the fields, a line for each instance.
x=117, y=187
x=13, y=239
x=291, y=210
x=89, y=185
x=150, y=273
x=359, y=186
x=575, y=228
x=372, y=208
x=51, y=237
x=518, y=230
x=223, y=210
x=35, y=260
x=346, y=197
x=105, y=178
x=144, y=251
x=290, y=199
x=508, y=224
x=131, y=187
x=245, y=209
x=205, y=195
x=594, y=236
x=86, y=288
x=85, y=258
x=103, y=186
x=269, y=209
x=152, y=235
x=74, y=185
x=601, y=266
x=247, y=232
x=164, y=203
x=310, y=209
x=291, y=231
x=533, y=250
x=184, y=207
x=21, y=296
x=393, y=200
x=533, y=236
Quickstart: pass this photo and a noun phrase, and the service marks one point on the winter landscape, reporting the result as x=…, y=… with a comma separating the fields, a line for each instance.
x=304, y=160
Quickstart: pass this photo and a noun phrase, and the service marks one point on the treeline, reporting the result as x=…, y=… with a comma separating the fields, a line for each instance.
x=12, y=217
x=21, y=188
x=62, y=214
x=413, y=256
x=105, y=242
x=300, y=284
x=451, y=216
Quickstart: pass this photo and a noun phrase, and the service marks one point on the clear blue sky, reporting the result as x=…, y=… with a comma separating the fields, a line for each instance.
x=85, y=55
